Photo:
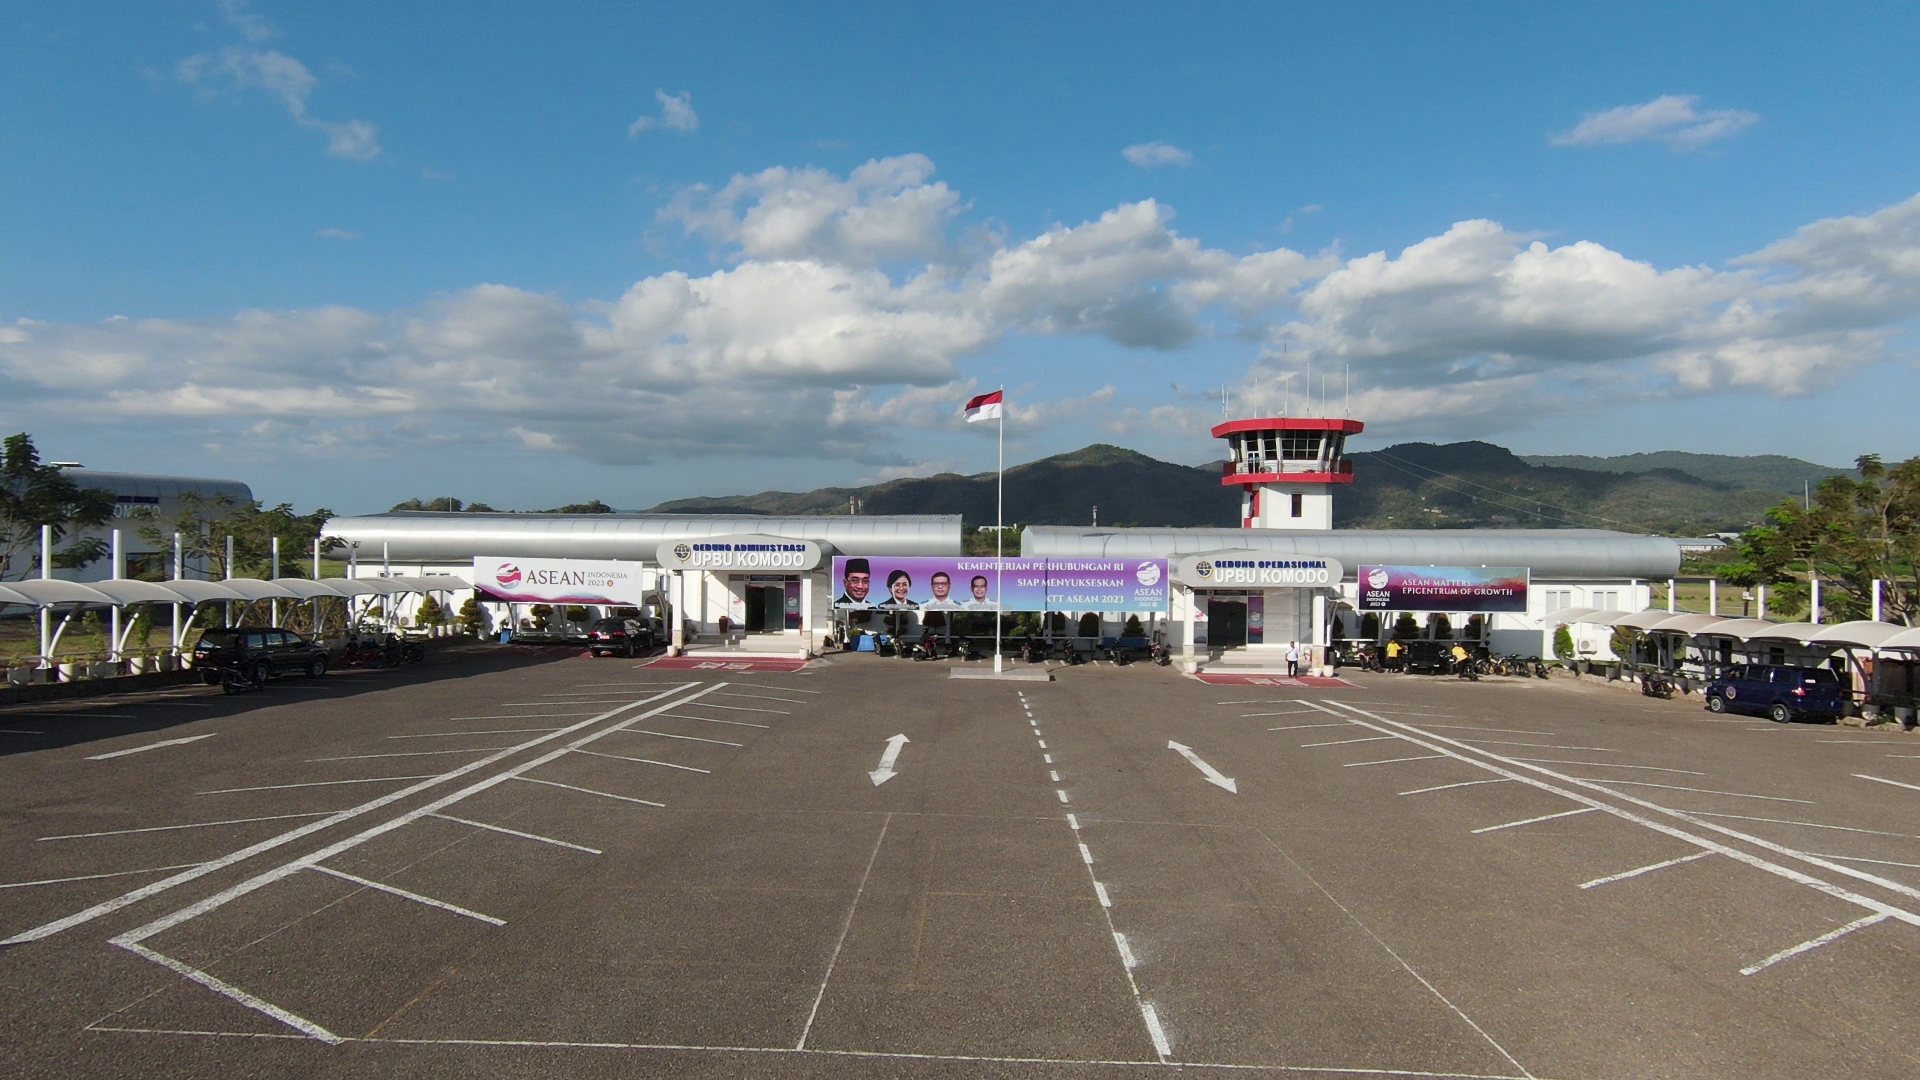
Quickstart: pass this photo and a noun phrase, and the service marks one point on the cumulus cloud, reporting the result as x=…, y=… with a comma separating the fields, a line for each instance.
x=676, y=114
x=843, y=318
x=1673, y=119
x=1153, y=155
x=249, y=67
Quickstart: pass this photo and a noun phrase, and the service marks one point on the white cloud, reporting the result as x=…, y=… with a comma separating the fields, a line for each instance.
x=844, y=318
x=1153, y=155
x=884, y=209
x=249, y=67
x=1672, y=119
x=676, y=114
x=331, y=233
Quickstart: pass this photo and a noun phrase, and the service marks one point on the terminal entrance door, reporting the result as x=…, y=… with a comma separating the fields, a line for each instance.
x=1226, y=623
x=766, y=608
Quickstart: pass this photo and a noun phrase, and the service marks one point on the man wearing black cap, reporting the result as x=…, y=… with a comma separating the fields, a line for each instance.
x=857, y=578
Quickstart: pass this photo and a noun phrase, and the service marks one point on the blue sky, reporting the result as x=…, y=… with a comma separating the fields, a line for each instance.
x=528, y=254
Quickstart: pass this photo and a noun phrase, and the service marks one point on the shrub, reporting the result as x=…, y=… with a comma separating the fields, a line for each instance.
x=471, y=619
x=1442, y=627
x=1370, y=626
x=1623, y=642
x=1406, y=626
x=1133, y=628
x=576, y=613
x=541, y=614
x=429, y=613
x=1562, y=642
x=1089, y=624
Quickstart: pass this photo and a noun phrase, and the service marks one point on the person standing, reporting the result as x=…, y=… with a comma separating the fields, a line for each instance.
x=1293, y=658
x=1393, y=654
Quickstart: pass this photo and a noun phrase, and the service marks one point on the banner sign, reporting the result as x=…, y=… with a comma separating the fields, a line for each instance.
x=931, y=583
x=742, y=552
x=1443, y=588
x=1255, y=570
x=558, y=581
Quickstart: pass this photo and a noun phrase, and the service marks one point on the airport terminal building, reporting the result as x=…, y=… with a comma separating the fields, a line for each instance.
x=1285, y=576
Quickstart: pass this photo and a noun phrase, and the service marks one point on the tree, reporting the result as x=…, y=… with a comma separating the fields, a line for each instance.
x=593, y=507
x=204, y=523
x=445, y=504
x=1563, y=642
x=1406, y=626
x=1442, y=627
x=1090, y=624
x=1133, y=628
x=429, y=613
x=33, y=494
x=1850, y=533
x=471, y=619
x=1370, y=626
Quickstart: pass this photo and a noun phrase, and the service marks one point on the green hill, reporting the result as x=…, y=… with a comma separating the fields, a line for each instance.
x=1761, y=472
x=1409, y=486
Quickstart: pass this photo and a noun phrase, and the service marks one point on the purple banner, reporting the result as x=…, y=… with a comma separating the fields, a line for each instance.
x=1443, y=588
x=927, y=583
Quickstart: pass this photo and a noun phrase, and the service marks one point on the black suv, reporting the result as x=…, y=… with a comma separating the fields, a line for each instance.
x=259, y=652
x=624, y=636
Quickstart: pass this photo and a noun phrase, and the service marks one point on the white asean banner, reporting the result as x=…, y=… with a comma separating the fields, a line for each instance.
x=559, y=581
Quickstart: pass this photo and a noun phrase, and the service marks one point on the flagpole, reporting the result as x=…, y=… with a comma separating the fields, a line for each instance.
x=999, y=533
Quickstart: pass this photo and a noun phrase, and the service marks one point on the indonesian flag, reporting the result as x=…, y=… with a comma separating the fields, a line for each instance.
x=984, y=407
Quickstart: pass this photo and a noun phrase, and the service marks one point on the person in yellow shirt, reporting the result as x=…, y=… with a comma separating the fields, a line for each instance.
x=1393, y=654
x=1460, y=657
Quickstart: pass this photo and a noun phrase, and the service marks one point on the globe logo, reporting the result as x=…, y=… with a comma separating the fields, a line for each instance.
x=1378, y=577
x=682, y=552
x=1203, y=569
x=508, y=574
x=1148, y=573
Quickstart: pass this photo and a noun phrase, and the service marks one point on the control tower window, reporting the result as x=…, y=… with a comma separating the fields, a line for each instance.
x=1300, y=445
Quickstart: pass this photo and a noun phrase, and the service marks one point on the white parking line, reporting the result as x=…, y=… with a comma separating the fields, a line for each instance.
x=1346, y=742
x=409, y=753
x=1608, y=765
x=1695, y=790
x=1539, y=746
x=1808, y=946
x=743, y=708
x=152, y=746
x=1493, y=730
x=765, y=697
x=1392, y=761
x=1636, y=872
x=171, y=828
x=687, y=738
x=1532, y=820
x=96, y=877
x=12, y=731
x=1304, y=727
x=1895, y=783
x=1282, y=712
x=577, y=701
x=1806, y=824
x=590, y=791
x=1877, y=862
x=517, y=832
x=321, y=783
x=712, y=720
x=463, y=734
x=405, y=895
x=520, y=716
x=644, y=761
x=1444, y=787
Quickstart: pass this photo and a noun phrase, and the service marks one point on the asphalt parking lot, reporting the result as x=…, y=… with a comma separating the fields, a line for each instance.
x=513, y=863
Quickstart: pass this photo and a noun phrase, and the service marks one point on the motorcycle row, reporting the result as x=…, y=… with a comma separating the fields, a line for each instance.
x=1033, y=650
x=1368, y=657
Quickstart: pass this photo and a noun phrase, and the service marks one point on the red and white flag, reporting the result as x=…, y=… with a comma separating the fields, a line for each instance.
x=984, y=407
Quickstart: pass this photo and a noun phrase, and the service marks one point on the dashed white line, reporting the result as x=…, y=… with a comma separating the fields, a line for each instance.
x=1808, y=946
x=1086, y=856
x=1054, y=776
x=1126, y=952
x=1100, y=890
x=1043, y=744
x=1532, y=820
x=1637, y=871
x=1154, y=1031
x=1074, y=822
x=1061, y=793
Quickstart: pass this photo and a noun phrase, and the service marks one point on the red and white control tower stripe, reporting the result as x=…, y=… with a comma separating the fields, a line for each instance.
x=1286, y=467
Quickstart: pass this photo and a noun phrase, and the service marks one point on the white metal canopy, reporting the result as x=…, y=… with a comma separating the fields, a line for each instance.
x=1792, y=631
x=133, y=591
x=1645, y=620
x=1684, y=624
x=1861, y=633
x=1905, y=639
x=1740, y=629
x=199, y=592
x=57, y=591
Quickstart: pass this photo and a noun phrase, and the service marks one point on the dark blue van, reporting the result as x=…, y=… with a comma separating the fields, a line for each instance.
x=1777, y=692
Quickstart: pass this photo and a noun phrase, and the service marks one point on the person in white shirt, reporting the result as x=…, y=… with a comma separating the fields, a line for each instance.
x=1293, y=658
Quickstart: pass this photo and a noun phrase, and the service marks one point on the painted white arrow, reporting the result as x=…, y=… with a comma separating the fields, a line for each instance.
x=885, y=772
x=1212, y=774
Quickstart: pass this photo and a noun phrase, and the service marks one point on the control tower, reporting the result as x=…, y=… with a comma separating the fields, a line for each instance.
x=1286, y=468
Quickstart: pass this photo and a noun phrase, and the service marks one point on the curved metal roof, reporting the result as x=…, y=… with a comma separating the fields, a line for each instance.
x=1551, y=553
x=1684, y=624
x=58, y=591
x=159, y=487
x=1740, y=629
x=443, y=537
x=1905, y=639
x=1645, y=620
x=1863, y=633
x=134, y=591
x=199, y=592
x=1790, y=631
